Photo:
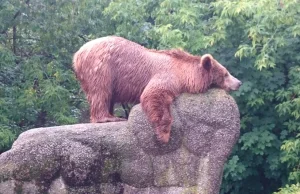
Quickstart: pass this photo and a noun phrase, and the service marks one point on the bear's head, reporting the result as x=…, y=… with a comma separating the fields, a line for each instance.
x=219, y=75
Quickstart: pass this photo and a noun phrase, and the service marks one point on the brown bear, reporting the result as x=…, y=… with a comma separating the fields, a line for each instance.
x=112, y=69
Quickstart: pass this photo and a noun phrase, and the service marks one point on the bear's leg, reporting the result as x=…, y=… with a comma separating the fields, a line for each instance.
x=156, y=104
x=101, y=108
x=163, y=130
x=111, y=108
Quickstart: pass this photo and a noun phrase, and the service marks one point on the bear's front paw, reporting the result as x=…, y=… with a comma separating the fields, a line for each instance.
x=163, y=134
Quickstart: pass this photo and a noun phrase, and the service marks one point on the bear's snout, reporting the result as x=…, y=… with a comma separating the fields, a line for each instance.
x=232, y=83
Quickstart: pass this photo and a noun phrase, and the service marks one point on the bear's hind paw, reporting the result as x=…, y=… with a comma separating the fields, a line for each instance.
x=110, y=119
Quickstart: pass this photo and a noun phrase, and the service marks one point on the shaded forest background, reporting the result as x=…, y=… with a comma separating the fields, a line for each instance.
x=258, y=41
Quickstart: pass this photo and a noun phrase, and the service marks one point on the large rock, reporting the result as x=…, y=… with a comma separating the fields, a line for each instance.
x=125, y=157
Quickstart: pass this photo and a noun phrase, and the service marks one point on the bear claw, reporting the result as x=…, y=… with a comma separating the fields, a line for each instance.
x=163, y=137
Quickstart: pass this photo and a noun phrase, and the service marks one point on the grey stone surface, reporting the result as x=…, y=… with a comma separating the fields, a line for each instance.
x=125, y=157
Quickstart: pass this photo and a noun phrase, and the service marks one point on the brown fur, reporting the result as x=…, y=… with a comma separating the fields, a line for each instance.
x=113, y=69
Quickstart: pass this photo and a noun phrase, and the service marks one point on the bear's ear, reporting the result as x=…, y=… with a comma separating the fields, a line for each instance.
x=206, y=61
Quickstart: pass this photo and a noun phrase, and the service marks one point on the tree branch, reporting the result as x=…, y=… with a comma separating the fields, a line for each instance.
x=15, y=16
x=83, y=38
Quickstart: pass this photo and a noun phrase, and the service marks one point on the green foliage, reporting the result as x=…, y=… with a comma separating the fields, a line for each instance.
x=258, y=41
x=6, y=137
x=268, y=41
x=291, y=155
x=290, y=189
